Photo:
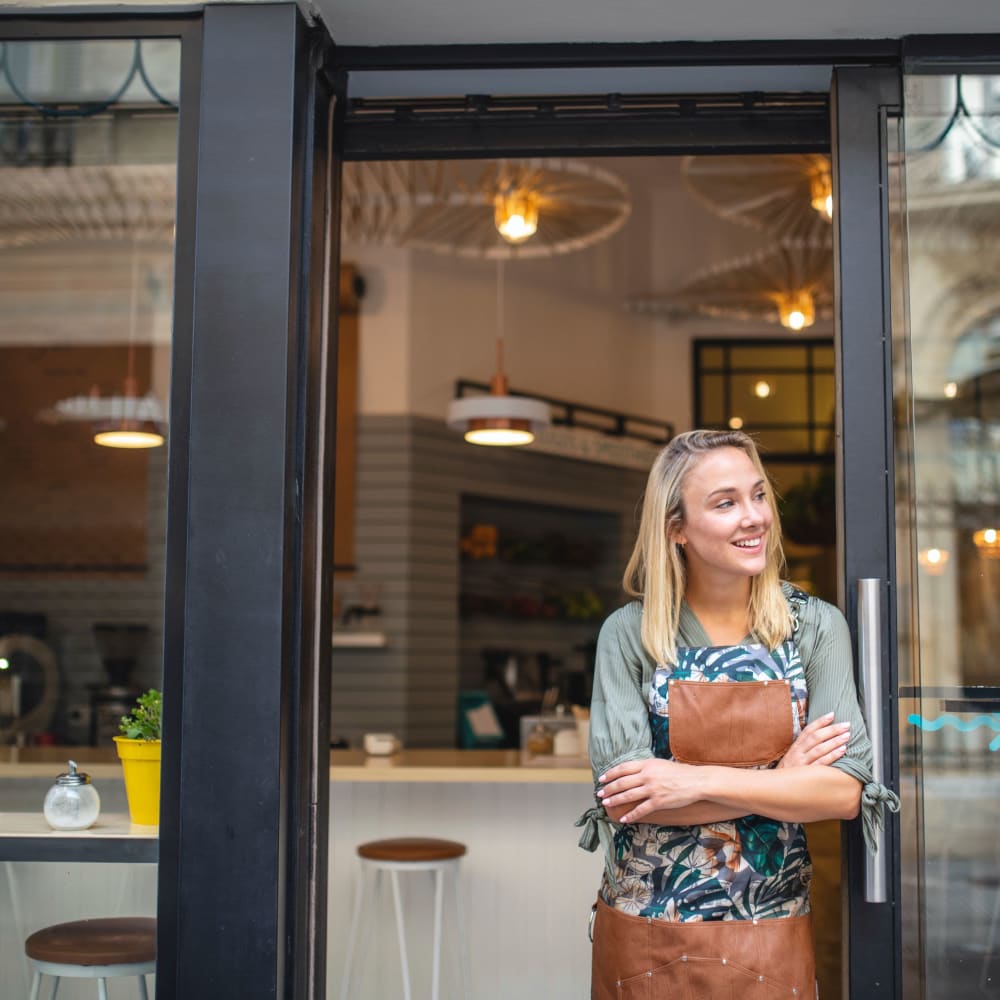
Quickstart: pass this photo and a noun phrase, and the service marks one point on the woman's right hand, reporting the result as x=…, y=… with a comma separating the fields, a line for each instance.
x=823, y=741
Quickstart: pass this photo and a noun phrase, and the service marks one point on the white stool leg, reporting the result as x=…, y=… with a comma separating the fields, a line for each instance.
x=436, y=960
x=55, y=987
x=35, y=986
x=463, y=944
x=401, y=931
x=143, y=995
x=352, y=937
x=102, y=989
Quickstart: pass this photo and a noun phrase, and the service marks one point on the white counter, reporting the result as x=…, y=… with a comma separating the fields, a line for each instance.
x=528, y=887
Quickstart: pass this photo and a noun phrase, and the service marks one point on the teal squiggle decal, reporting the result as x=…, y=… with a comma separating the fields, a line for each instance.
x=933, y=725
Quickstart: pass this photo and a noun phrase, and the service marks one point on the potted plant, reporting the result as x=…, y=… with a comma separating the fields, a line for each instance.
x=139, y=750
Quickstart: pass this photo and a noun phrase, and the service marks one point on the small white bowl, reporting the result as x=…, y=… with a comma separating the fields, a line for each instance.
x=381, y=744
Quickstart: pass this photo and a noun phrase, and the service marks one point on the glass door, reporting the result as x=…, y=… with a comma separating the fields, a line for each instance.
x=918, y=310
x=946, y=396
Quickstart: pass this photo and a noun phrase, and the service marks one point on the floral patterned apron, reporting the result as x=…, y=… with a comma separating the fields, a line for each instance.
x=748, y=878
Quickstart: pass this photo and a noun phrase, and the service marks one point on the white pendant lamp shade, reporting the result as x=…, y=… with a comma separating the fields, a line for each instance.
x=498, y=419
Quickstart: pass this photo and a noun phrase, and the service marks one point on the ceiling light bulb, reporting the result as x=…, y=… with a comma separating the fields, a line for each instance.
x=821, y=193
x=933, y=560
x=515, y=214
x=131, y=438
x=987, y=540
x=735, y=423
x=797, y=310
x=762, y=389
x=499, y=436
x=951, y=389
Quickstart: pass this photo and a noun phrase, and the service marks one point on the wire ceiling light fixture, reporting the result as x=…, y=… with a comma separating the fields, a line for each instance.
x=788, y=196
x=497, y=209
x=498, y=419
x=790, y=283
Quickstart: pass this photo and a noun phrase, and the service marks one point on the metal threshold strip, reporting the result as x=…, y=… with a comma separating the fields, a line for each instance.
x=479, y=125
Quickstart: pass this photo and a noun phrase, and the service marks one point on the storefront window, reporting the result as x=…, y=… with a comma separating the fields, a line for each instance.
x=88, y=138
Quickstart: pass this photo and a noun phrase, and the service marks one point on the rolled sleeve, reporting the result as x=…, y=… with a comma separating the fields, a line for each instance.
x=619, y=717
x=619, y=712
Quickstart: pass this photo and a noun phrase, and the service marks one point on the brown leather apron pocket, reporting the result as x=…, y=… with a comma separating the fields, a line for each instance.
x=733, y=723
x=639, y=959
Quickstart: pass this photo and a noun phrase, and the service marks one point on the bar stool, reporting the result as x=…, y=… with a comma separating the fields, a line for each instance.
x=408, y=854
x=98, y=949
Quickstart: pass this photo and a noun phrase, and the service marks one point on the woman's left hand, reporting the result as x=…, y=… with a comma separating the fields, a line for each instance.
x=650, y=786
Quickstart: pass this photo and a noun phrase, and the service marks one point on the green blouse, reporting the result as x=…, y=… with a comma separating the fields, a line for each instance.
x=619, y=711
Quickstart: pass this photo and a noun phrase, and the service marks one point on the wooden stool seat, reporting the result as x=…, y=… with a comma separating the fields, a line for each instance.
x=408, y=849
x=103, y=941
x=406, y=857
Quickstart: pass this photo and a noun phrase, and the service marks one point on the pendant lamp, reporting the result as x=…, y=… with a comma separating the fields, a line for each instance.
x=129, y=427
x=498, y=419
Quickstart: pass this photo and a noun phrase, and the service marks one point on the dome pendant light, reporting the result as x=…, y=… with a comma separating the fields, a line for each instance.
x=498, y=419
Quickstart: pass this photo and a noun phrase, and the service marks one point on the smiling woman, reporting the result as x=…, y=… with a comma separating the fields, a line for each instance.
x=724, y=716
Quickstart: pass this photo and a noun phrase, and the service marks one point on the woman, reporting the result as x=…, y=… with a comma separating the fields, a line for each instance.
x=724, y=716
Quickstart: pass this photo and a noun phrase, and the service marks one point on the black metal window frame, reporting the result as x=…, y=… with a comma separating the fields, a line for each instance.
x=185, y=27
x=810, y=368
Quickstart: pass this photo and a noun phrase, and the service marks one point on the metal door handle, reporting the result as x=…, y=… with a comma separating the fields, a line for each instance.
x=870, y=671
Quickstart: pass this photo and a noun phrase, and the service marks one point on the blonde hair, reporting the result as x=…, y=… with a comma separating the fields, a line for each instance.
x=656, y=573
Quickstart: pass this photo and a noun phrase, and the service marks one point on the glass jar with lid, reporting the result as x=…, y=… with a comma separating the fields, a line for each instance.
x=72, y=803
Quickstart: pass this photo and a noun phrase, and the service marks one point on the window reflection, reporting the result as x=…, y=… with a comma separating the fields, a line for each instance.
x=948, y=385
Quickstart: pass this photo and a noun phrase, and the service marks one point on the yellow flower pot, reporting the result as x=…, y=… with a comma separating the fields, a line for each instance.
x=141, y=765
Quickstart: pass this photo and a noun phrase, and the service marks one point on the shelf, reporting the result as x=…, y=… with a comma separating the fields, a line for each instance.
x=359, y=640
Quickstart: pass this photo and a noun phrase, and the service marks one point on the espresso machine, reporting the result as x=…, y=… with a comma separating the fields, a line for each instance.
x=119, y=646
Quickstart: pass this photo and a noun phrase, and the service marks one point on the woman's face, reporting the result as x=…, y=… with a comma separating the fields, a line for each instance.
x=727, y=516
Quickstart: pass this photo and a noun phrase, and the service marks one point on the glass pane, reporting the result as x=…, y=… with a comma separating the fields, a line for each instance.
x=712, y=403
x=779, y=441
x=769, y=356
x=948, y=483
x=822, y=356
x=769, y=397
x=824, y=401
x=710, y=357
x=87, y=207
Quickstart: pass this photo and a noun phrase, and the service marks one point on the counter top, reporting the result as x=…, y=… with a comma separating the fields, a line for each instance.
x=27, y=837
x=506, y=766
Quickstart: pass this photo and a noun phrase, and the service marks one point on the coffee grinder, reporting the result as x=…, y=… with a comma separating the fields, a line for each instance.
x=119, y=647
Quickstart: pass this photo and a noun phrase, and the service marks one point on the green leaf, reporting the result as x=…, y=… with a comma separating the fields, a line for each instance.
x=145, y=721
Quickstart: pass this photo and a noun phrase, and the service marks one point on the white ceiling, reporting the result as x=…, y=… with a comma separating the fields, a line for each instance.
x=426, y=22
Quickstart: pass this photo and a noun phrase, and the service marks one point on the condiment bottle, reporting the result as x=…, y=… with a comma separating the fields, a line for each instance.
x=72, y=803
x=539, y=741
